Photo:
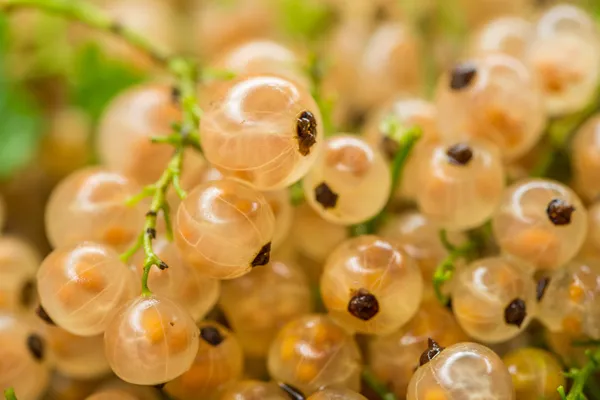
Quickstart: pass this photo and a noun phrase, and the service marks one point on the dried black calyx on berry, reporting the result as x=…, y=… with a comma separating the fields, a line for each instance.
x=363, y=305
x=292, y=392
x=325, y=196
x=559, y=212
x=459, y=154
x=175, y=95
x=541, y=287
x=306, y=131
x=389, y=147
x=432, y=351
x=43, y=315
x=151, y=232
x=160, y=386
x=27, y=293
x=263, y=256
x=515, y=312
x=462, y=76
x=211, y=335
x=36, y=346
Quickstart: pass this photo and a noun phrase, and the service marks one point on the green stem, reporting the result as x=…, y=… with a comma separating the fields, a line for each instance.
x=580, y=377
x=9, y=394
x=406, y=140
x=91, y=16
x=445, y=270
x=378, y=387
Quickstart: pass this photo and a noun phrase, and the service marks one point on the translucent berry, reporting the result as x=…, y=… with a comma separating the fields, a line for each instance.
x=179, y=282
x=460, y=183
x=565, y=55
x=282, y=208
x=112, y=394
x=463, y=371
x=80, y=286
x=510, y=35
x=591, y=246
x=127, y=126
x=261, y=56
x=219, y=361
x=252, y=390
x=336, y=394
x=224, y=229
x=315, y=237
x=259, y=304
x=363, y=282
x=19, y=262
x=262, y=129
x=493, y=96
x=410, y=112
x=311, y=352
x=541, y=222
x=585, y=158
x=23, y=359
x=536, y=373
x=571, y=303
x=90, y=205
x=394, y=358
x=350, y=181
x=77, y=356
x=493, y=299
x=419, y=237
x=150, y=340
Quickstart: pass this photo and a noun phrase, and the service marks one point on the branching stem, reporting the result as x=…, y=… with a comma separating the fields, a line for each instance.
x=580, y=377
x=9, y=394
x=378, y=387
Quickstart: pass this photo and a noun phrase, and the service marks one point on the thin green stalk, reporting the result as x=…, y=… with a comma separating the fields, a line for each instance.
x=445, y=270
x=9, y=394
x=91, y=16
x=580, y=377
x=406, y=140
x=378, y=387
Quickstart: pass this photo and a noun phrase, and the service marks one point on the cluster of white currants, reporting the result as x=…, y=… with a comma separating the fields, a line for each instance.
x=239, y=243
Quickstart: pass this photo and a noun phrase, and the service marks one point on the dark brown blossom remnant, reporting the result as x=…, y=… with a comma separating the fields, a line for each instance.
x=325, y=196
x=306, y=132
x=263, y=257
x=459, y=154
x=432, y=351
x=292, y=392
x=36, y=346
x=389, y=147
x=43, y=315
x=28, y=293
x=515, y=312
x=211, y=335
x=462, y=76
x=541, y=287
x=363, y=305
x=559, y=212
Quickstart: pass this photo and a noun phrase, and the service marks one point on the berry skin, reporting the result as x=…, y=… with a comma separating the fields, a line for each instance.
x=349, y=183
x=150, y=340
x=495, y=97
x=535, y=373
x=464, y=371
x=252, y=390
x=493, y=299
x=336, y=394
x=510, y=35
x=311, y=352
x=460, y=184
x=90, y=204
x=19, y=262
x=585, y=158
x=570, y=304
x=80, y=286
x=258, y=304
x=224, y=229
x=394, y=357
x=541, y=222
x=365, y=279
x=218, y=362
x=262, y=129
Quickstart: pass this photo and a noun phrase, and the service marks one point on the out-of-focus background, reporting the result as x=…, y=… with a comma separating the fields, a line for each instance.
x=56, y=76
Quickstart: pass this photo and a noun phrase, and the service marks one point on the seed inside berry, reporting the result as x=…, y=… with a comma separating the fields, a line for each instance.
x=462, y=76
x=515, y=313
x=459, y=154
x=306, y=131
x=363, y=305
x=432, y=351
x=263, y=257
x=541, y=287
x=559, y=212
x=325, y=196
x=36, y=346
x=211, y=335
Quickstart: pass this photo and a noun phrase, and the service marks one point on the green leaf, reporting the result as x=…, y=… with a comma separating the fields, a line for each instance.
x=305, y=19
x=20, y=119
x=97, y=79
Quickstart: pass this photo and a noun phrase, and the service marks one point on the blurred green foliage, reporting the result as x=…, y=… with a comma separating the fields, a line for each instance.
x=305, y=19
x=20, y=119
